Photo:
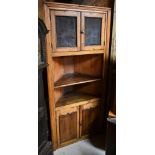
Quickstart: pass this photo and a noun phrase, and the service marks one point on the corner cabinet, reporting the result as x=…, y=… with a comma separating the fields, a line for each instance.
x=77, y=56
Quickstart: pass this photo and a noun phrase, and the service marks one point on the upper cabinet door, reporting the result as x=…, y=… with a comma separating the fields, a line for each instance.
x=92, y=31
x=65, y=31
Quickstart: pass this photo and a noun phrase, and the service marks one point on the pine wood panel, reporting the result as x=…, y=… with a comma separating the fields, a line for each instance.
x=58, y=68
x=90, y=65
x=50, y=79
x=90, y=88
x=58, y=94
x=68, y=65
x=62, y=66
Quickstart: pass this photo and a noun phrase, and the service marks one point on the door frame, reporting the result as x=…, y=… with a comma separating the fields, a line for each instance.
x=103, y=30
x=53, y=26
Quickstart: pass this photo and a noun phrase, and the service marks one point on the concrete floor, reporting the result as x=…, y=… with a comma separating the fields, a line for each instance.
x=85, y=147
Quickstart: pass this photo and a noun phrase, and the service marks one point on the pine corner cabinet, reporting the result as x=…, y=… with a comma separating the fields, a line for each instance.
x=77, y=55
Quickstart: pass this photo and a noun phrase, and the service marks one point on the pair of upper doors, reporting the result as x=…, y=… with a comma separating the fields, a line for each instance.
x=75, y=31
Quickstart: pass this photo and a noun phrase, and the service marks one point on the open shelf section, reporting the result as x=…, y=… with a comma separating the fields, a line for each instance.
x=75, y=99
x=59, y=54
x=74, y=79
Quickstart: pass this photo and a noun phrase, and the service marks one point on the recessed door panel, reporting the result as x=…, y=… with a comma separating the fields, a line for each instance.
x=67, y=125
x=88, y=119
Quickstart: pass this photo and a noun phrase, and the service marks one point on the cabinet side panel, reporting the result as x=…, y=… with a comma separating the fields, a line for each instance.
x=50, y=78
x=62, y=66
x=58, y=94
x=58, y=68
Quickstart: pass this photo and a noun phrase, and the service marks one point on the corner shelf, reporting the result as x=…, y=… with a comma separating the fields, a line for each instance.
x=74, y=79
x=75, y=99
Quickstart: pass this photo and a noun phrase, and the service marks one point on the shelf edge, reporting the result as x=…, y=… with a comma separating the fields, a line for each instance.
x=76, y=83
x=78, y=104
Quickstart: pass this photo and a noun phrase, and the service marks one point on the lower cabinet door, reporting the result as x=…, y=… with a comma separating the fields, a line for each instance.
x=67, y=125
x=89, y=119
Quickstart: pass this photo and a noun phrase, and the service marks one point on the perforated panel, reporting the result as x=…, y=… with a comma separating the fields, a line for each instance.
x=93, y=31
x=66, y=31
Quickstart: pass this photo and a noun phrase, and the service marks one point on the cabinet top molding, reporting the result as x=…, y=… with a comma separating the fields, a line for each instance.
x=75, y=7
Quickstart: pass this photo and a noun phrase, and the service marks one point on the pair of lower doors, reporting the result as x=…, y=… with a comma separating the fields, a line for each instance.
x=77, y=122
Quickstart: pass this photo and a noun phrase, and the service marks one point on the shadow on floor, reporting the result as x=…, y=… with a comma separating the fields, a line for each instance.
x=98, y=141
x=94, y=146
